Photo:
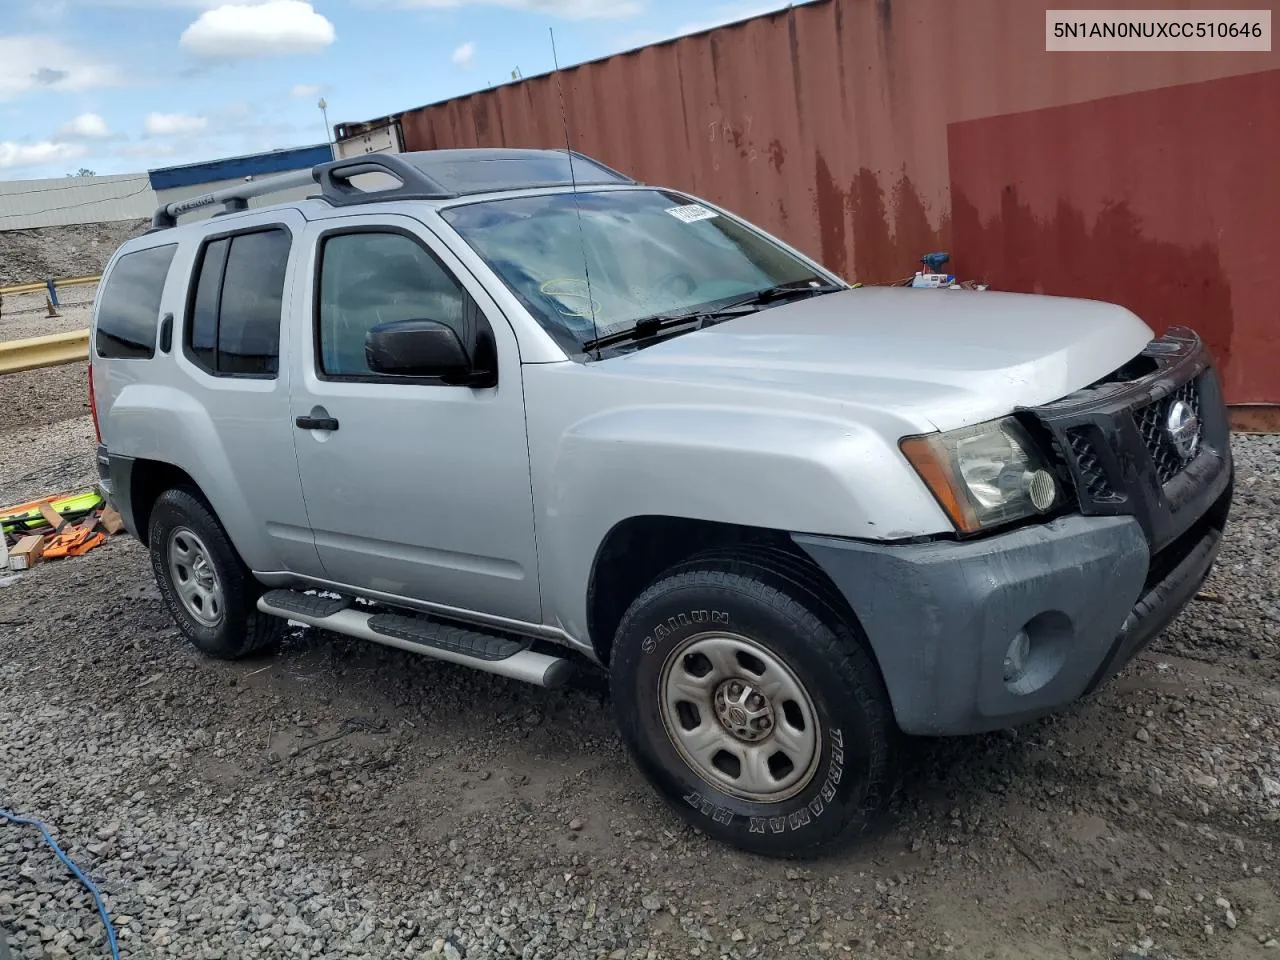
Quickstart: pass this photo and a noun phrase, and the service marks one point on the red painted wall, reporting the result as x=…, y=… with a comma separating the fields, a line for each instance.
x=1166, y=201
x=868, y=132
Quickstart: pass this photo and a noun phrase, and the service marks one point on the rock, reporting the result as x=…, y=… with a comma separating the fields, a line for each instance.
x=1144, y=894
x=1222, y=903
x=362, y=932
x=1204, y=780
x=1142, y=736
x=651, y=902
x=576, y=824
x=737, y=936
x=1231, y=919
x=1270, y=787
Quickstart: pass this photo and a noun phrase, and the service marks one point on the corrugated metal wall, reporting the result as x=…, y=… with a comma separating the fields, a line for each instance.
x=868, y=132
x=66, y=200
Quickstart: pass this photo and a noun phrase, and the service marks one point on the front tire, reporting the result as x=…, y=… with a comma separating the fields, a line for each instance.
x=209, y=591
x=752, y=706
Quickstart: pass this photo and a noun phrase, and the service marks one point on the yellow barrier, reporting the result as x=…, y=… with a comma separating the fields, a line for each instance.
x=47, y=351
x=42, y=286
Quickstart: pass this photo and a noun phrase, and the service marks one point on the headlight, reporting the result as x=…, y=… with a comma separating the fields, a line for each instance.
x=984, y=475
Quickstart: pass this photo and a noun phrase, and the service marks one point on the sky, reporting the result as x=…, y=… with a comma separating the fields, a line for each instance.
x=122, y=86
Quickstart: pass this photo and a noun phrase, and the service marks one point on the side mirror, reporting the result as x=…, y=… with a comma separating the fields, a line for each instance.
x=417, y=348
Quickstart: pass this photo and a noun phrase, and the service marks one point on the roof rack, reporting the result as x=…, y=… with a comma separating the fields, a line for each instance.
x=232, y=198
x=423, y=175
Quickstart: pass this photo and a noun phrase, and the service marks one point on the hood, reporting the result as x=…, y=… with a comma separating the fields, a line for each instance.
x=946, y=357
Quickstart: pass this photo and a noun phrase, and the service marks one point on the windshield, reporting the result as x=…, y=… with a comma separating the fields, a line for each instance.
x=648, y=252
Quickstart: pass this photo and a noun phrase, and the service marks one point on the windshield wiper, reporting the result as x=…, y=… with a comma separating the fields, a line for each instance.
x=781, y=291
x=648, y=327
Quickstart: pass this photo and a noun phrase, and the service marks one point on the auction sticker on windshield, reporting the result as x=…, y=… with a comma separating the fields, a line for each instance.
x=692, y=212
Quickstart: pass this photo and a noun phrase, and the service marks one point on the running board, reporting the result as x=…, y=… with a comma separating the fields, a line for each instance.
x=503, y=654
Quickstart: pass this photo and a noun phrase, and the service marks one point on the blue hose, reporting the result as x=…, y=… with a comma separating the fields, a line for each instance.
x=76, y=871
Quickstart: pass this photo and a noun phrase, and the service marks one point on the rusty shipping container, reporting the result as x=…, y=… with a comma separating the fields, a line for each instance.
x=868, y=132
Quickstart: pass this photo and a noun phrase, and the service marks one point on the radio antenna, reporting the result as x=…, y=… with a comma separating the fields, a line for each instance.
x=573, y=180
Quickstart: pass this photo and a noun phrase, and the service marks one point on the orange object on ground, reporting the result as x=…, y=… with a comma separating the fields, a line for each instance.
x=76, y=541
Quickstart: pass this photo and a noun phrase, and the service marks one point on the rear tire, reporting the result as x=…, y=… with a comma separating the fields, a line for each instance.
x=209, y=591
x=752, y=705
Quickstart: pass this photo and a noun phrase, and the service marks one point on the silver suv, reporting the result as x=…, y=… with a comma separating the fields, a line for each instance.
x=514, y=410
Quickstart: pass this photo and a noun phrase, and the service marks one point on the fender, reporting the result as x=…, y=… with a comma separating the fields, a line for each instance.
x=773, y=469
x=156, y=422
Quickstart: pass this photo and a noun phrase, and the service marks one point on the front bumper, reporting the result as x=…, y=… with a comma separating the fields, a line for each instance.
x=1088, y=590
x=940, y=616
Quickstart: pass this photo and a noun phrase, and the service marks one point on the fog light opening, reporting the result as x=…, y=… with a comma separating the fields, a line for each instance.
x=1037, y=652
x=1015, y=659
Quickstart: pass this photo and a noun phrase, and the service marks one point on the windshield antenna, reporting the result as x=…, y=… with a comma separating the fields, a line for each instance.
x=573, y=180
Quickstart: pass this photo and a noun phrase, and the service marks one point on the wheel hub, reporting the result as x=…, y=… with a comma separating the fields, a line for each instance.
x=743, y=710
x=194, y=578
x=739, y=716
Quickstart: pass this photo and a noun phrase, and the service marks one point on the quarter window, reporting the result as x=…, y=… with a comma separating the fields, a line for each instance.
x=234, y=320
x=370, y=278
x=129, y=311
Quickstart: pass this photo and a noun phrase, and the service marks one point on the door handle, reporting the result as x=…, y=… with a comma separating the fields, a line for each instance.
x=166, y=333
x=316, y=423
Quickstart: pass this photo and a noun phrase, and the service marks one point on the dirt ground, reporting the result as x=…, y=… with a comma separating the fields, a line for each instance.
x=70, y=251
x=393, y=805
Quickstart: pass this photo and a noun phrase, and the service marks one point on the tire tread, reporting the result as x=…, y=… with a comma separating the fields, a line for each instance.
x=260, y=630
x=777, y=579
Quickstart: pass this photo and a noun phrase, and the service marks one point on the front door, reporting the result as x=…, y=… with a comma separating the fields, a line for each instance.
x=414, y=488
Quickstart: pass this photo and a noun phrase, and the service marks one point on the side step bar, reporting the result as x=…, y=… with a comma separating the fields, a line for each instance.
x=503, y=654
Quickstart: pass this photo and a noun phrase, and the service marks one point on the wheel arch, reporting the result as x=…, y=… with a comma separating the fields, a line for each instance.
x=637, y=550
x=137, y=485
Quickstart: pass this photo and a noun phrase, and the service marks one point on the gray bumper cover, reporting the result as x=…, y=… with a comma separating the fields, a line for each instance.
x=940, y=616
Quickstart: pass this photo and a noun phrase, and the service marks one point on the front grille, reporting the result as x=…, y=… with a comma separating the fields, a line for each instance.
x=1092, y=476
x=1152, y=423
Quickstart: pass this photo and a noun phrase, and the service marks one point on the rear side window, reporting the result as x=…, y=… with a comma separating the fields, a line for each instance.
x=129, y=308
x=233, y=326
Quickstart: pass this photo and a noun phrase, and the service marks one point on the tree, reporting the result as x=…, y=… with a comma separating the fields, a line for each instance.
x=83, y=172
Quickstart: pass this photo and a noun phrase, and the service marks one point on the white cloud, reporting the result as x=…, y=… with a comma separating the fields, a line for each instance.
x=242, y=31
x=87, y=126
x=465, y=55
x=37, y=62
x=168, y=124
x=31, y=154
x=302, y=91
x=568, y=9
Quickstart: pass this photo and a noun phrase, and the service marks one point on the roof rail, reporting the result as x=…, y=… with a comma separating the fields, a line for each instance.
x=232, y=198
x=335, y=180
x=413, y=173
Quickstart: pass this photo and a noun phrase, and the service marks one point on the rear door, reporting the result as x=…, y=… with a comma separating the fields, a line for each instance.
x=420, y=489
x=233, y=334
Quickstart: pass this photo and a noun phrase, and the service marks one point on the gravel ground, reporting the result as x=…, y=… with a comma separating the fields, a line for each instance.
x=24, y=315
x=347, y=800
x=70, y=251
